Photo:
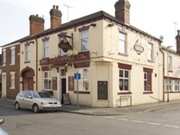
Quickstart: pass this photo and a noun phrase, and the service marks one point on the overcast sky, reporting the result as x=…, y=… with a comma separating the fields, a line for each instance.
x=156, y=17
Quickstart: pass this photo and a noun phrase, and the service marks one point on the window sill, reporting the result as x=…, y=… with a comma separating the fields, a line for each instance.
x=121, y=93
x=12, y=64
x=123, y=54
x=172, y=92
x=83, y=92
x=147, y=92
x=27, y=62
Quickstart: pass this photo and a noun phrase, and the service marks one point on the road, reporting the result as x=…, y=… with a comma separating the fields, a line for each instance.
x=164, y=121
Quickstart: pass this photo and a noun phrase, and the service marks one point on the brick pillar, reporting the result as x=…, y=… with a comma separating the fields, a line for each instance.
x=122, y=11
x=36, y=24
x=55, y=16
x=178, y=42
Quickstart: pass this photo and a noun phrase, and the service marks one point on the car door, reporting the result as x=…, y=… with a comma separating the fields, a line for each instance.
x=28, y=99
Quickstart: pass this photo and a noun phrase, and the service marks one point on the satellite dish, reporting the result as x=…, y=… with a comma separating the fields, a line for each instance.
x=161, y=37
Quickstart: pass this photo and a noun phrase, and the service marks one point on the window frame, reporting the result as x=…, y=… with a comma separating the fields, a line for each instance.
x=4, y=57
x=27, y=53
x=13, y=55
x=84, y=37
x=47, y=86
x=46, y=48
x=12, y=80
x=122, y=45
x=150, y=52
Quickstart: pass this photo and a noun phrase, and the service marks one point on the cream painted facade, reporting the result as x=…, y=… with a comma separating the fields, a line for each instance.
x=111, y=75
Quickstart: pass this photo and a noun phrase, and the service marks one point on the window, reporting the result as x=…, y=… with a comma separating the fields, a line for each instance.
x=169, y=63
x=124, y=80
x=177, y=85
x=27, y=53
x=168, y=85
x=147, y=81
x=4, y=57
x=13, y=55
x=61, y=52
x=12, y=80
x=47, y=80
x=84, y=81
x=150, y=52
x=84, y=40
x=46, y=48
x=122, y=43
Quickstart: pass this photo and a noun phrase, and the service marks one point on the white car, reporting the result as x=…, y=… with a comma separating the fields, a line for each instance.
x=36, y=100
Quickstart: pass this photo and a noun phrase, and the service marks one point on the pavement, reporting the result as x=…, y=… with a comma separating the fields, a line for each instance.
x=84, y=110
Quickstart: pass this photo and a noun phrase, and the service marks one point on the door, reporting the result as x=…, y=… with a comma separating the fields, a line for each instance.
x=102, y=90
x=63, y=87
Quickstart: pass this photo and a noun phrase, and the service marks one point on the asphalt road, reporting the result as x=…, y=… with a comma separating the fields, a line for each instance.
x=163, y=121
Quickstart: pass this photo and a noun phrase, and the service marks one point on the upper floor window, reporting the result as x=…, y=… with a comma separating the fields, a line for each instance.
x=27, y=53
x=150, y=51
x=169, y=62
x=122, y=43
x=13, y=55
x=46, y=48
x=84, y=40
x=4, y=57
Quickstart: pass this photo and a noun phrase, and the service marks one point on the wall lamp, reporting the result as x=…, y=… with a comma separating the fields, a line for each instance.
x=93, y=24
x=111, y=25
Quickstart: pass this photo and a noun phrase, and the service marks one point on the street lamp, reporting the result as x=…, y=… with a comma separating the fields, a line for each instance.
x=168, y=47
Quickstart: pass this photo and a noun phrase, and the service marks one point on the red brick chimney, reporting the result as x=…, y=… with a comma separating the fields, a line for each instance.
x=178, y=42
x=36, y=24
x=122, y=11
x=55, y=15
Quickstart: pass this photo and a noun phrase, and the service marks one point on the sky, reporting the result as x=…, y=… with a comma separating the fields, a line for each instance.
x=156, y=17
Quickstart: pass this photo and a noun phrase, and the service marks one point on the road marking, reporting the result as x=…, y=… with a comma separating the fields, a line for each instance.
x=123, y=119
x=152, y=123
x=109, y=117
x=136, y=121
x=172, y=126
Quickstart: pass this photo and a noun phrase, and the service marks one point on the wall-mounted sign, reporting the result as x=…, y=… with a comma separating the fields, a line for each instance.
x=138, y=47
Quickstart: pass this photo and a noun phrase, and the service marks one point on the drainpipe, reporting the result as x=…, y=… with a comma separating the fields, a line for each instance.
x=36, y=63
x=163, y=73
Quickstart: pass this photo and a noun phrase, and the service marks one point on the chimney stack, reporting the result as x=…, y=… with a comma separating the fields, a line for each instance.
x=36, y=24
x=122, y=11
x=55, y=15
x=178, y=42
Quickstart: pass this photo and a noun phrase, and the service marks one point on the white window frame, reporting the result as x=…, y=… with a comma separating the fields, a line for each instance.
x=12, y=55
x=46, y=48
x=12, y=80
x=27, y=53
x=170, y=63
x=122, y=43
x=176, y=85
x=84, y=81
x=4, y=57
x=124, y=78
x=84, y=40
x=169, y=85
x=47, y=81
x=150, y=51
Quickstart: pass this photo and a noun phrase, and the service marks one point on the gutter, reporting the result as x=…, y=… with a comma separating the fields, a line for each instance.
x=163, y=73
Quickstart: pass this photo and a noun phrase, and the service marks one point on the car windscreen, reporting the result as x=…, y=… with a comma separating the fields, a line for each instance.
x=44, y=95
x=36, y=94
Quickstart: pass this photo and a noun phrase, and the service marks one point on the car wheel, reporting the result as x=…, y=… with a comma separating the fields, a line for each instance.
x=35, y=108
x=17, y=106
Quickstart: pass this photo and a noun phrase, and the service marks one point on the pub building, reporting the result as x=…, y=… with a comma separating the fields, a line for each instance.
x=97, y=60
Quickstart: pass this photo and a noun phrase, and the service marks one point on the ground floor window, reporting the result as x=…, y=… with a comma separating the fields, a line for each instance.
x=168, y=85
x=84, y=81
x=124, y=77
x=176, y=85
x=147, y=79
x=47, y=80
x=12, y=80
